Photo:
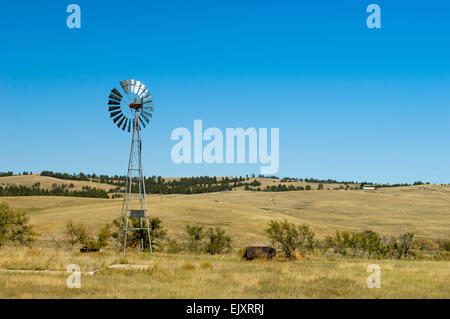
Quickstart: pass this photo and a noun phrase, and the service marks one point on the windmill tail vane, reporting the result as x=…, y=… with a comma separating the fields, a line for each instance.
x=130, y=109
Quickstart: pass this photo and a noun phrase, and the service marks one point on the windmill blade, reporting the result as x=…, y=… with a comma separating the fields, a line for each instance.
x=144, y=93
x=148, y=103
x=118, y=118
x=147, y=98
x=128, y=86
x=131, y=85
x=116, y=92
x=129, y=126
x=141, y=90
x=114, y=97
x=125, y=86
x=112, y=102
x=121, y=121
x=149, y=108
x=125, y=124
x=143, y=124
x=137, y=87
x=147, y=114
x=145, y=118
x=115, y=113
x=113, y=108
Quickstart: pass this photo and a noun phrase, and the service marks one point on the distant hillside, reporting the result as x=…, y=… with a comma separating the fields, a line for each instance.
x=48, y=183
x=85, y=185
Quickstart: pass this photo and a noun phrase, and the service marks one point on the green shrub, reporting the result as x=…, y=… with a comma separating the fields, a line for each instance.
x=194, y=237
x=284, y=235
x=374, y=244
x=14, y=227
x=306, y=239
x=355, y=244
x=76, y=233
x=401, y=247
x=340, y=242
x=157, y=232
x=140, y=236
x=217, y=242
x=102, y=238
x=289, y=237
x=425, y=244
x=213, y=241
x=172, y=246
x=367, y=243
x=444, y=244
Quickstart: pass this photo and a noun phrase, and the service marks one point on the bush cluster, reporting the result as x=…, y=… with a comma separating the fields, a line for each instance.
x=78, y=234
x=288, y=237
x=15, y=227
x=213, y=241
x=371, y=244
x=139, y=237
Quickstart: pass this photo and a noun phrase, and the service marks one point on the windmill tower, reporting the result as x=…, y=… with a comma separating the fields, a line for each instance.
x=130, y=107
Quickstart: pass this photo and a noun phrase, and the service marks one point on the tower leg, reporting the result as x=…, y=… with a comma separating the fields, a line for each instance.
x=149, y=238
x=126, y=233
x=132, y=209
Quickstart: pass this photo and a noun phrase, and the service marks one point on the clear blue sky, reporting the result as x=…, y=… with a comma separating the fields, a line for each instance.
x=351, y=103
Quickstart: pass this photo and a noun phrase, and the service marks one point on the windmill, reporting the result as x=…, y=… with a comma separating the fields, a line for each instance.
x=130, y=108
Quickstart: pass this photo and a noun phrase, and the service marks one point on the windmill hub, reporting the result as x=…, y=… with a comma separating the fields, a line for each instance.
x=130, y=107
x=136, y=106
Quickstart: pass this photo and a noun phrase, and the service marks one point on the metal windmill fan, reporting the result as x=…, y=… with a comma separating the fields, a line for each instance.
x=133, y=101
x=129, y=107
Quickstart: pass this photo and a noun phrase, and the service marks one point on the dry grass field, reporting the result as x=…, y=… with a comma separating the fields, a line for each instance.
x=202, y=276
x=244, y=216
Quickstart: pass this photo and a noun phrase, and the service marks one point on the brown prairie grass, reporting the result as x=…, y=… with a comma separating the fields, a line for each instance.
x=243, y=215
x=224, y=276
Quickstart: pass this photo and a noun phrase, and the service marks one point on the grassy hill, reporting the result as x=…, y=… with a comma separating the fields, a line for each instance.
x=244, y=215
x=48, y=182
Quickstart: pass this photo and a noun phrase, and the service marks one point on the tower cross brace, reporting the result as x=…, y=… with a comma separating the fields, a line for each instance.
x=134, y=203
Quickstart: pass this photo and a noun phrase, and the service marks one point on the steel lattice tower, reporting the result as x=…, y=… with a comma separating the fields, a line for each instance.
x=135, y=214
